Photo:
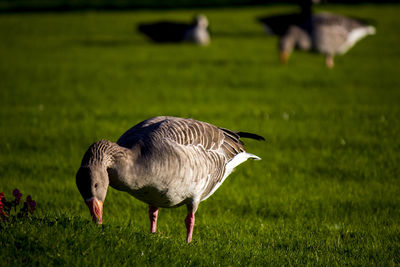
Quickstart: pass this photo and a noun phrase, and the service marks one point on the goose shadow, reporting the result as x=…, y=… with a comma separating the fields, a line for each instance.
x=177, y=32
x=279, y=24
x=163, y=31
x=106, y=42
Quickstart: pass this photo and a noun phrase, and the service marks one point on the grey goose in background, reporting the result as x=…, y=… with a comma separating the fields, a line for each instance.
x=165, y=162
x=175, y=32
x=328, y=34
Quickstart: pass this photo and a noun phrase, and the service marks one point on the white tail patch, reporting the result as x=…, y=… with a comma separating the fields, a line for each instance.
x=354, y=36
x=236, y=161
x=371, y=30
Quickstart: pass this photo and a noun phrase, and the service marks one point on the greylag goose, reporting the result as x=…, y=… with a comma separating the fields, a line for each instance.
x=174, y=32
x=163, y=161
x=328, y=34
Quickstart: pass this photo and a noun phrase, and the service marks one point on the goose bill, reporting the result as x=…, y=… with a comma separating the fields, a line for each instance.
x=96, y=209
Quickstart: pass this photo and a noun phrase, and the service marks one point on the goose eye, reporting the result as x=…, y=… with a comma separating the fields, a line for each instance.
x=95, y=185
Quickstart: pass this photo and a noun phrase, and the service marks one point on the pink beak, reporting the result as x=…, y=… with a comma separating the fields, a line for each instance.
x=96, y=209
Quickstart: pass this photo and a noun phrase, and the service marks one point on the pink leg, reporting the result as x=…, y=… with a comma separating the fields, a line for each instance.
x=284, y=57
x=153, y=214
x=189, y=221
x=329, y=61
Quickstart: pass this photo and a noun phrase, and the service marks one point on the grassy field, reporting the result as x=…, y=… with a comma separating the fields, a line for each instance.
x=327, y=191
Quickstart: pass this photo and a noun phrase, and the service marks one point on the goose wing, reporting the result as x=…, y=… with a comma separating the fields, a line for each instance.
x=186, y=132
x=327, y=19
x=331, y=32
x=189, y=132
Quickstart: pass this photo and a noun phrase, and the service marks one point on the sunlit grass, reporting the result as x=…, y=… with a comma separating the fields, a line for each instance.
x=325, y=193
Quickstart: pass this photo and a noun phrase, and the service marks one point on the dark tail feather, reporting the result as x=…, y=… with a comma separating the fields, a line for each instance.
x=251, y=135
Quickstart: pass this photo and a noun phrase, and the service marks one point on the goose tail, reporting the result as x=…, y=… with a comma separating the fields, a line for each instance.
x=251, y=136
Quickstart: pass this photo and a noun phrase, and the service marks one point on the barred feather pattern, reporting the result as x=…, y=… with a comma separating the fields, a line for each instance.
x=187, y=132
x=187, y=151
x=102, y=152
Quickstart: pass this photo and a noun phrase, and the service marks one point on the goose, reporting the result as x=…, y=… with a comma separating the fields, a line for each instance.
x=165, y=162
x=174, y=32
x=326, y=33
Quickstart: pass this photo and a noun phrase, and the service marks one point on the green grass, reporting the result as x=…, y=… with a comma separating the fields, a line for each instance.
x=327, y=191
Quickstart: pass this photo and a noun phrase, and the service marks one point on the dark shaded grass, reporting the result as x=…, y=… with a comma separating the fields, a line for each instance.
x=325, y=193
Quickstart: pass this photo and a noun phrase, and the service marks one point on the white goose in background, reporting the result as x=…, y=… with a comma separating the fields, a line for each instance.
x=165, y=162
x=326, y=33
x=198, y=32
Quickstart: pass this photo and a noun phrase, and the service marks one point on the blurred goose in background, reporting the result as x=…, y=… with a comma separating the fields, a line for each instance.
x=173, y=32
x=326, y=33
x=165, y=162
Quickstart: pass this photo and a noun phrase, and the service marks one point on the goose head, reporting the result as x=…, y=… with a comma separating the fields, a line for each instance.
x=201, y=21
x=92, y=183
x=295, y=37
x=92, y=178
